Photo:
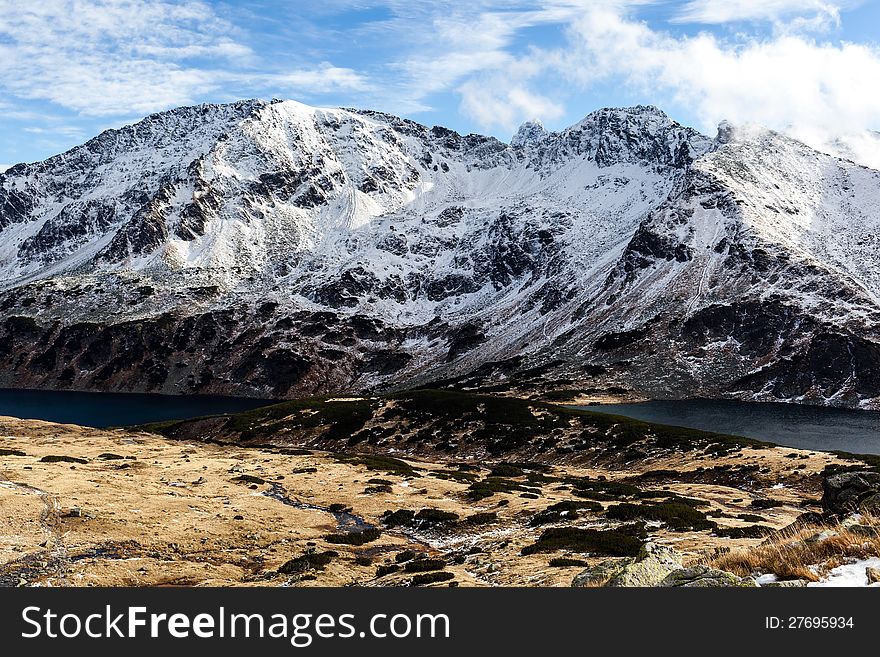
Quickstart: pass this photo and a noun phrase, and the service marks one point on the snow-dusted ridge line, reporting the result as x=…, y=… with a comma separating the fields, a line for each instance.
x=355, y=249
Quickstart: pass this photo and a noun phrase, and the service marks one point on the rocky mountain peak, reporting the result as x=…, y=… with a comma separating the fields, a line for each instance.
x=280, y=249
x=529, y=133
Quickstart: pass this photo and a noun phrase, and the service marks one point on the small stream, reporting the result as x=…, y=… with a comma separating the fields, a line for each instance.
x=345, y=520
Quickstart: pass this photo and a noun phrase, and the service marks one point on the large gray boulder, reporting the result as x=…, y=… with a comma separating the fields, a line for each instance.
x=703, y=576
x=648, y=568
x=850, y=491
x=598, y=575
x=653, y=563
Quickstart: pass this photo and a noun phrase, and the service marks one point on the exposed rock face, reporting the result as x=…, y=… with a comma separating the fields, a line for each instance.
x=786, y=584
x=276, y=249
x=656, y=565
x=600, y=574
x=851, y=491
x=653, y=563
x=703, y=576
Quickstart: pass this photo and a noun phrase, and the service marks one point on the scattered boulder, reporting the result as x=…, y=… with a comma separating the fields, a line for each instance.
x=598, y=575
x=648, y=568
x=849, y=491
x=703, y=576
x=853, y=524
x=873, y=574
x=819, y=537
x=785, y=584
x=653, y=563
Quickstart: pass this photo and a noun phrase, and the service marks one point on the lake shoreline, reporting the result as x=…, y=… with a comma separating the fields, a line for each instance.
x=801, y=426
x=108, y=409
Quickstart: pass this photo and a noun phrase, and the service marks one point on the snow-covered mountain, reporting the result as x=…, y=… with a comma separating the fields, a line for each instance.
x=270, y=248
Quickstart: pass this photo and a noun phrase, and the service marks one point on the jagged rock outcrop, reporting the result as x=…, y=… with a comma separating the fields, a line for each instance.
x=703, y=577
x=846, y=492
x=649, y=568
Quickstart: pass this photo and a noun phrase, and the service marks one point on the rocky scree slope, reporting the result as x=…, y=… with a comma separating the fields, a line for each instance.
x=270, y=248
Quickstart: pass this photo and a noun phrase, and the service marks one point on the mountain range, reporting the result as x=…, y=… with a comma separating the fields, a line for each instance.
x=268, y=248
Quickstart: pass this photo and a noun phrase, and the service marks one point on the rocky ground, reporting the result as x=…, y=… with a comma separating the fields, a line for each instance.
x=84, y=506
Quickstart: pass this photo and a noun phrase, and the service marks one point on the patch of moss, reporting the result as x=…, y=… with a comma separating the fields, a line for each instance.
x=308, y=561
x=340, y=419
x=424, y=565
x=565, y=562
x=386, y=569
x=605, y=542
x=676, y=516
x=767, y=503
x=249, y=479
x=751, y=531
x=382, y=488
x=434, y=517
x=489, y=486
x=386, y=464
x=62, y=459
x=431, y=578
x=455, y=475
x=354, y=538
x=406, y=555
x=872, y=461
x=506, y=470
x=597, y=489
x=480, y=518
x=398, y=518
x=563, y=511
x=660, y=474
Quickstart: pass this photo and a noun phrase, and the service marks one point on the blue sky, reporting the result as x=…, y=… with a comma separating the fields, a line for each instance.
x=71, y=68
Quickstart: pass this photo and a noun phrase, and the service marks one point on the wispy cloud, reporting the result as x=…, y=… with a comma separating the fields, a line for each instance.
x=112, y=57
x=780, y=63
x=823, y=12
x=815, y=90
x=323, y=78
x=469, y=48
x=783, y=81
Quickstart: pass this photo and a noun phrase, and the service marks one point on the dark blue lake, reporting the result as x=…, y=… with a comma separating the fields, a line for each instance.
x=792, y=425
x=107, y=409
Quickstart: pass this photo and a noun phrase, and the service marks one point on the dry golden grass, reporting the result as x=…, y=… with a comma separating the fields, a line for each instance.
x=790, y=553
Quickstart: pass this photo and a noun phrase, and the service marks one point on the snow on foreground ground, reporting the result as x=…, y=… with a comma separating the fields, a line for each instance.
x=849, y=574
x=852, y=574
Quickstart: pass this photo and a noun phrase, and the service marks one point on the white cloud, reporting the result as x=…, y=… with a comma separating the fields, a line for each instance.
x=492, y=103
x=125, y=58
x=323, y=78
x=467, y=47
x=862, y=147
x=726, y=11
x=782, y=82
x=822, y=93
x=122, y=57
